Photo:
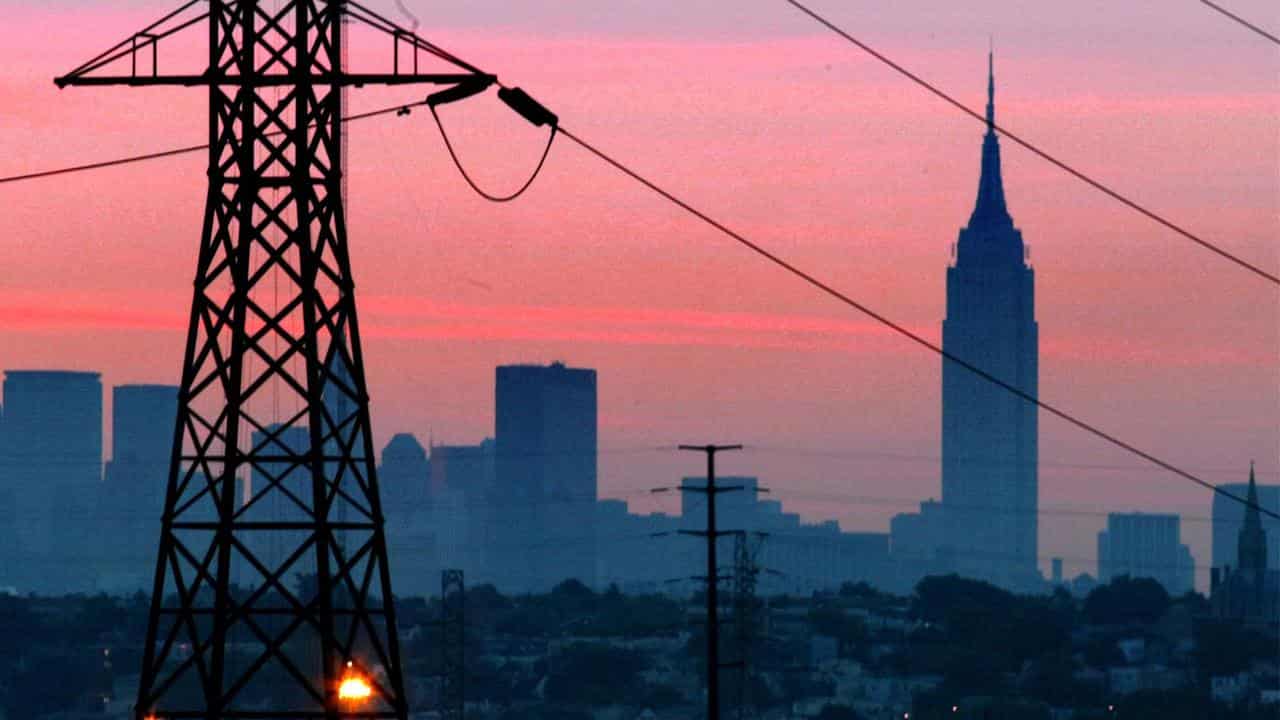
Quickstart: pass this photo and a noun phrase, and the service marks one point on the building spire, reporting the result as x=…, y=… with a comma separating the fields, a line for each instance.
x=1251, y=548
x=991, y=90
x=990, y=210
x=1251, y=516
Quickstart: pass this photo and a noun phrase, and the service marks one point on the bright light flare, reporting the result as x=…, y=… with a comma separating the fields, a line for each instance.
x=354, y=686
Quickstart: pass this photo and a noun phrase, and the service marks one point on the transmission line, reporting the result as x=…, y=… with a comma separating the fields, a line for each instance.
x=402, y=109
x=1242, y=21
x=903, y=331
x=826, y=288
x=855, y=454
x=1050, y=511
x=1061, y=165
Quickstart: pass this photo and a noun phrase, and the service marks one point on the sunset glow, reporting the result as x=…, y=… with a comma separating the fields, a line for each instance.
x=787, y=135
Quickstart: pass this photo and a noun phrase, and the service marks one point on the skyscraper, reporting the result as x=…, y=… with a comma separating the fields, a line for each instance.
x=132, y=495
x=275, y=494
x=412, y=533
x=51, y=462
x=989, y=436
x=404, y=477
x=8, y=513
x=546, y=472
x=1143, y=545
x=465, y=502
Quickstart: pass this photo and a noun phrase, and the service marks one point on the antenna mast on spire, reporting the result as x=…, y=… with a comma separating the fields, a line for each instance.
x=991, y=89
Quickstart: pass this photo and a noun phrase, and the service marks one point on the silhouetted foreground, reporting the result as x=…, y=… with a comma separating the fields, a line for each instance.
x=1126, y=650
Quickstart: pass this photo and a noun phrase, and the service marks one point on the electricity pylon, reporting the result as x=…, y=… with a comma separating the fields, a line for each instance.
x=309, y=630
x=453, y=603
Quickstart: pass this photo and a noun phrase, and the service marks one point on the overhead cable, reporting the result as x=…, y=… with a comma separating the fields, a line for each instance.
x=903, y=331
x=402, y=109
x=1060, y=164
x=1242, y=21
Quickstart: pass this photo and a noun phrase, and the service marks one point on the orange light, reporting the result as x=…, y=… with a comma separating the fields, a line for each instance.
x=353, y=686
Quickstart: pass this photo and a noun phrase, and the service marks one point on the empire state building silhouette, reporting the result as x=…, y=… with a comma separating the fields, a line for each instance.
x=989, y=436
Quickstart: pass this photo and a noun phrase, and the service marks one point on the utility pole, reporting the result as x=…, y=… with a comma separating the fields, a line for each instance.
x=711, y=534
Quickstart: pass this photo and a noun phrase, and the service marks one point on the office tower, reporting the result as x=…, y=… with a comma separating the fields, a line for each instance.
x=8, y=515
x=132, y=494
x=630, y=543
x=276, y=493
x=464, y=503
x=412, y=533
x=1143, y=545
x=546, y=473
x=404, y=476
x=989, y=436
x=468, y=469
x=52, y=467
x=917, y=546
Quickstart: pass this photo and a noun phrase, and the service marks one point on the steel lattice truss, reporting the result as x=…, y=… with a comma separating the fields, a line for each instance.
x=746, y=552
x=271, y=585
x=453, y=645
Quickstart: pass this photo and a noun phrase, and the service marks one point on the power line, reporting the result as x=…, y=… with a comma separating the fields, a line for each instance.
x=1242, y=21
x=862, y=500
x=990, y=554
x=1079, y=175
x=902, y=330
x=21, y=461
x=822, y=286
x=402, y=109
x=779, y=539
x=491, y=197
x=924, y=457
x=1062, y=165
x=104, y=164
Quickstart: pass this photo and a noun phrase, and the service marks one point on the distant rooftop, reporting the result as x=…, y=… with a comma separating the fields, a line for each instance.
x=50, y=374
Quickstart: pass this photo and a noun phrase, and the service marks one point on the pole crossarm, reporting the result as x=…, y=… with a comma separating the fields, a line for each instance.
x=713, y=491
x=705, y=533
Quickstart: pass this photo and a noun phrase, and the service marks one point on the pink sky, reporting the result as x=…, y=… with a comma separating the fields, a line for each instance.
x=788, y=135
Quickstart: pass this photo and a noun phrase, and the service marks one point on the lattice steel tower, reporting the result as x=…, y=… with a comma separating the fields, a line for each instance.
x=272, y=595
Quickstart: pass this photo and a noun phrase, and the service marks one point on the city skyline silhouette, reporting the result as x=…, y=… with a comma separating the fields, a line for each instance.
x=974, y=475
x=421, y=296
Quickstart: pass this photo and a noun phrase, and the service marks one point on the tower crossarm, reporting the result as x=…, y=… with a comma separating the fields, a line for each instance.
x=135, y=61
x=339, y=79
